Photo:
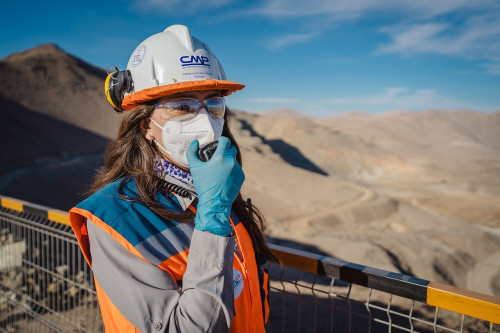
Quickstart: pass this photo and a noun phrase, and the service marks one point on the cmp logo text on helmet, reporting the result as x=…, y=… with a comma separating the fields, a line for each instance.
x=194, y=61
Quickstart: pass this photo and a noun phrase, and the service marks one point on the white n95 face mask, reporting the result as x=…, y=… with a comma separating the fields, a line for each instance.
x=178, y=133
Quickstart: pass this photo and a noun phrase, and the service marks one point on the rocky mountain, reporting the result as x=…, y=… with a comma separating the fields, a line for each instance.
x=412, y=192
x=50, y=81
x=52, y=113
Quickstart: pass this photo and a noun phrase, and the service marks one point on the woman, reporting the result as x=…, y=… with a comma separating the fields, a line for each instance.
x=173, y=245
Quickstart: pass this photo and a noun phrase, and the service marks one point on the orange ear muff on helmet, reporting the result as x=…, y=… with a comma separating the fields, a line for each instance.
x=116, y=85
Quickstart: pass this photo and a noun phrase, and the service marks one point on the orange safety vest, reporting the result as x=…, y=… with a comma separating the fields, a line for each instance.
x=106, y=210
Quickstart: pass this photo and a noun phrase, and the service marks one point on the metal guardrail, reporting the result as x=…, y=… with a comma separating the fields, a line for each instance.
x=46, y=286
x=313, y=293
x=45, y=283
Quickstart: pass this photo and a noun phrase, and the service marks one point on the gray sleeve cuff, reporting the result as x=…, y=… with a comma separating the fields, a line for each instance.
x=210, y=270
x=208, y=248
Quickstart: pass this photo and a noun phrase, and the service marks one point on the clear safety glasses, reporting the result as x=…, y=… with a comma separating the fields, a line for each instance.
x=189, y=107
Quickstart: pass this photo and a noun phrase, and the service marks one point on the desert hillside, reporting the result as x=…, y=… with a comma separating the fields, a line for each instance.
x=417, y=193
x=47, y=80
x=361, y=200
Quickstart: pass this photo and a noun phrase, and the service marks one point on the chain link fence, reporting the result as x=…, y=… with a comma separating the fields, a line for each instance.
x=302, y=301
x=45, y=283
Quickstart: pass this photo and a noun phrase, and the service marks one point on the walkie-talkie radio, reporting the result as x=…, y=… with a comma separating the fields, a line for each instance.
x=207, y=150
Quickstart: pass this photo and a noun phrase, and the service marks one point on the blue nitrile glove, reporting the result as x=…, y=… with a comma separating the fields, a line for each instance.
x=217, y=181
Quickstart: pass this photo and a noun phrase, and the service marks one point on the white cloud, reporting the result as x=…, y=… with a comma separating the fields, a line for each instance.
x=493, y=67
x=287, y=40
x=479, y=37
x=400, y=98
x=276, y=100
x=350, y=9
x=418, y=38
x=476, y=38
x=178, y=6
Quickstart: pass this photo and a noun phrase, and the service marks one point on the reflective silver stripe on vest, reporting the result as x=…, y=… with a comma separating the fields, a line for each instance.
x=166, y=244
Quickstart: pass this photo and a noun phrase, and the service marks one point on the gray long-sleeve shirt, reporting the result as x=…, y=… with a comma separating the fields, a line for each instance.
x=152, y=300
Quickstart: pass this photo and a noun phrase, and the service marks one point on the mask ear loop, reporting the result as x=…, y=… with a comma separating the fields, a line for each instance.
x=154, y=122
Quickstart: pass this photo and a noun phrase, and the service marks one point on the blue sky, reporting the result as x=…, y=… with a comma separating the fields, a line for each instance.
x=319, y=57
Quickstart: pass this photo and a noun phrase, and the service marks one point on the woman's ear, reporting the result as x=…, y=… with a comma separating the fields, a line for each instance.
x=146, y=129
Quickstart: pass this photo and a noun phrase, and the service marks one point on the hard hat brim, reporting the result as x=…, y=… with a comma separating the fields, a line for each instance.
x=134, y=99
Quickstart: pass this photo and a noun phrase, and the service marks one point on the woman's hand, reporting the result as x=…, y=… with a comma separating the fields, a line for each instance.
x=217, y=182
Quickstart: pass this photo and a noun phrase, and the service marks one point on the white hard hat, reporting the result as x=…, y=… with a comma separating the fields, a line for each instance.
x=173, y=61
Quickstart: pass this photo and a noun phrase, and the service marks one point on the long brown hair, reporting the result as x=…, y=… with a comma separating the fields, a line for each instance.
x=131, y=155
